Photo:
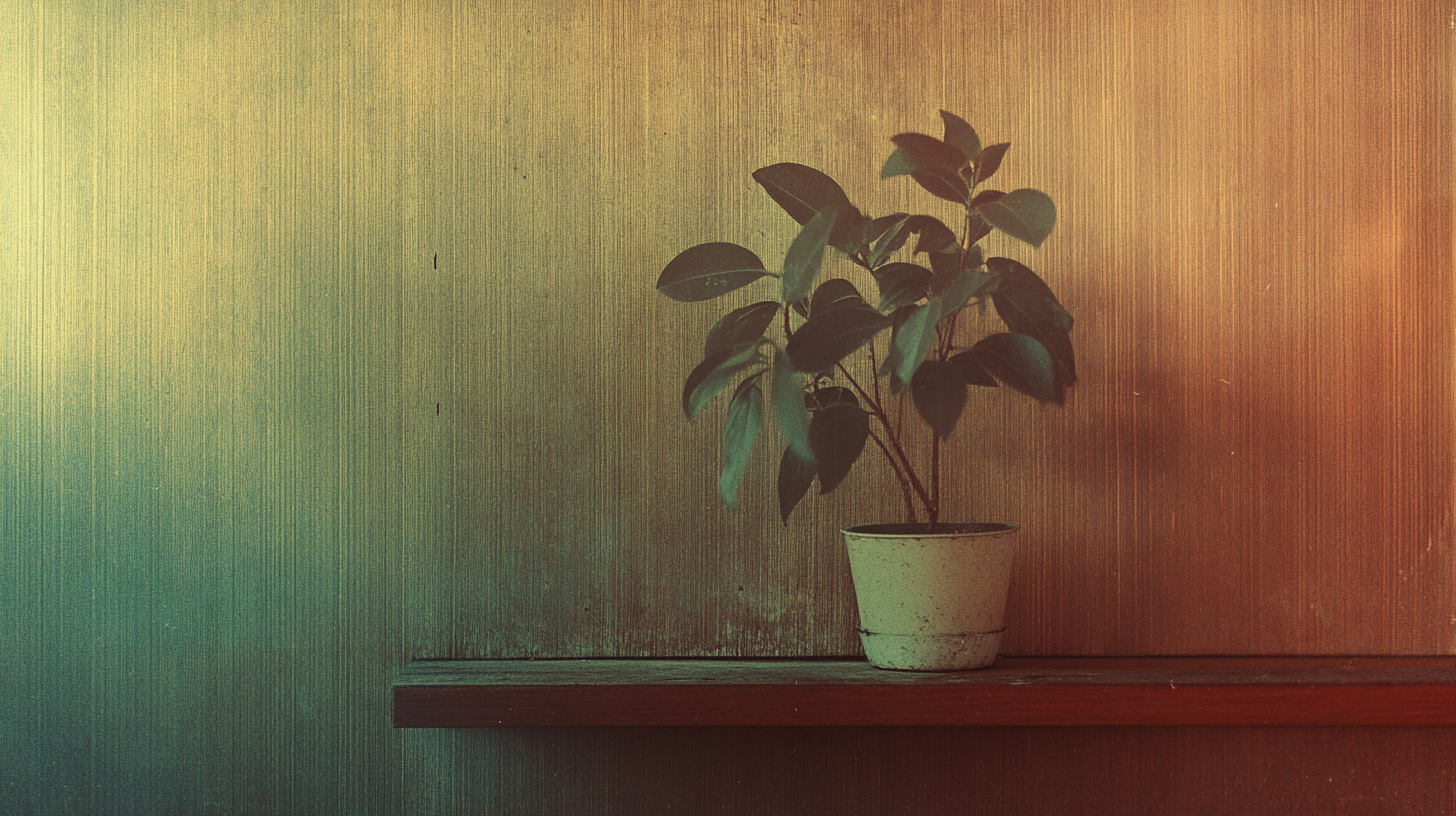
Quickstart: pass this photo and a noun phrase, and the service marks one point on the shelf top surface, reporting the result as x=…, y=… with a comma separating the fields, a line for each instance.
x=1006, y=671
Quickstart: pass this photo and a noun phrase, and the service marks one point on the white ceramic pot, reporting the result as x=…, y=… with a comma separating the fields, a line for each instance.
x=931, y=602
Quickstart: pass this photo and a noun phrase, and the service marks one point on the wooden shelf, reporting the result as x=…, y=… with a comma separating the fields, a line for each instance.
x=1310, y=691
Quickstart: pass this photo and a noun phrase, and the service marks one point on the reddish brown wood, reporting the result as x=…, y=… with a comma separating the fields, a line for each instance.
x=1078, y=692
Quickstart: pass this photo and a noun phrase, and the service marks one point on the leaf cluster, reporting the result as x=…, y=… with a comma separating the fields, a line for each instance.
x=825, y=417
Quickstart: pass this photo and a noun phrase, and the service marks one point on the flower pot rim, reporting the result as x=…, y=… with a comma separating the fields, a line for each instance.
x=949, y=529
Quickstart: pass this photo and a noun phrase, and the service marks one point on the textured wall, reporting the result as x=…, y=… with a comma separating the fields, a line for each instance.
x=328, y=339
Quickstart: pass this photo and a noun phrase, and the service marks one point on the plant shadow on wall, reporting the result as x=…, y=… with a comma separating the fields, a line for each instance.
x=824, y=413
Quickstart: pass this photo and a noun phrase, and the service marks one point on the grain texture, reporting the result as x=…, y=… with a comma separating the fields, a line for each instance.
x=328, y=341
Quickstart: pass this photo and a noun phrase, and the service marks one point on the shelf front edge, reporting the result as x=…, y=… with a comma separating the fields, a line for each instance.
x=1085, y=704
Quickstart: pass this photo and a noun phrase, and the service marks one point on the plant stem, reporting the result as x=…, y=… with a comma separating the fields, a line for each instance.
x=904, y=483
x=879, y=413
x=875, y=371
x=949, y=337
x=934, y=511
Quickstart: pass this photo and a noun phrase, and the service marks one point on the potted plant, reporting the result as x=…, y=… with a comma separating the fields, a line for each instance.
x=837, y=370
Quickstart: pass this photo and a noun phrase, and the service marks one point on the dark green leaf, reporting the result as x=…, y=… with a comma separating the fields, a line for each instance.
x=990, y=161
x=951, y=189
x=974, y=258
x=935, y=236
x=897, y=319
x=976, y=228
x=985, y=197
x=878, y=227
x=962, y=289
x=835, y=293
x=795, y=477
x=801, y=190
x=960, y=135
x=708, y=270
x=1026, y=215
x=972, y=371
x=932, y=163
x=826, y=339
x=929, y=154
x=745, y=325
x=939, y=392
x=898, y=164
x=740, y=432
x=1027, y=306
x=946, y=267
x=848, y=233
x=713, y=375
x=1016, y=275
x=790, y=415
x=889, y=238
x=806, y=255
x=1020, y=362
x=831, y=395
x=837, y=434
x=901, y=284
x=910, y=344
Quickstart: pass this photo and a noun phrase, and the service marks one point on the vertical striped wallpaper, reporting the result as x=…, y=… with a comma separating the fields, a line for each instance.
x=328, y=340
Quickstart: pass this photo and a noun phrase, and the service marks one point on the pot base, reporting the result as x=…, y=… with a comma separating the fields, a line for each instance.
x=931, y=653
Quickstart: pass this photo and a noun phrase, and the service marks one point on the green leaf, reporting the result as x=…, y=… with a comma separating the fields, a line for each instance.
x=848, y=233
x=1020, y=362
x=972, y=371
x=939, y=393
x=933, y=164
x=960, y=135
x=935, y=236
x=801, y=190
x=985, y=197
x=795, y=477
x=745, y=325
x=835, y=293
x=713, y=375
x=806, y=255
x=965, y=286
x=974, y=258
x=990, y=161
x=1026, y=215
x=946, y=270
x=740, y=432
x=976, y=228
x=930, y=154
x=1016, y=275
x=1027, y=306
x=897, y=319
x=889, y=237
x=898, y=164
x=901, y=284
x=826, y=339
x=949, y=187
x=708, y=270
x=877, y=228
x=837, y=434
x=790, y=415
x=910, y=344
